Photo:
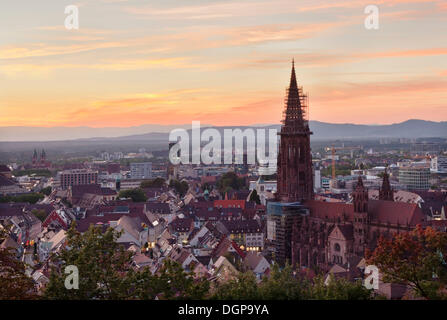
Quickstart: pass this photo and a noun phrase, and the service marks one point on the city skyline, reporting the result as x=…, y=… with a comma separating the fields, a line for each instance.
x=222, y=63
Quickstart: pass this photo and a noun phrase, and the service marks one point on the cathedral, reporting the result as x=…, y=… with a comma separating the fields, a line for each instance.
x=40, y=162
x=328, y=233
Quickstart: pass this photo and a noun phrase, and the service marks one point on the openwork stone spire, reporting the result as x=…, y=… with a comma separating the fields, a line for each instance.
x=295, y=105
x=295, y=177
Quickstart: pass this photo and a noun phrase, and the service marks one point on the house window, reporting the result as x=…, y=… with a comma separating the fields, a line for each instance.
x=337, y=247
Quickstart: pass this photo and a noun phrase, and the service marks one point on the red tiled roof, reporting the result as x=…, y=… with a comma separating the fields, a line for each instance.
x=182, y=224
x=395, y=212
x=223, y=246
x=78, y=191
x=380, y=211
x=242, y=226
x=238, y=250
x=202, y=204
x=330, y=210
x=105, y=214
x=347, y=231
x=208, y=179
x=230, y=203
x=10, y=210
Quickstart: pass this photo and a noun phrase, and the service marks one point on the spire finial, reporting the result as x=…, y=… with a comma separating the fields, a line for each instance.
x=293, y=83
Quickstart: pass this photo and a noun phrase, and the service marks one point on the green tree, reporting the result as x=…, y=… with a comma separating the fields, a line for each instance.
x=40, y=214
x=28, y=172
x=338, y=289
x=181, y=187
x=207, y=186
x=340, y=170
x=137, y=195
x=105, y=272
x=230, y=181
x=46, y=191
x=244, y=287
x=154, y=183
x=103, y=266
x=28, y=197
x=283, y=285
x=170, y=283
x=254, y=197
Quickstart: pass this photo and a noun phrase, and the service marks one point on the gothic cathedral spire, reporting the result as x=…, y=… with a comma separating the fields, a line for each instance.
x=295, y=178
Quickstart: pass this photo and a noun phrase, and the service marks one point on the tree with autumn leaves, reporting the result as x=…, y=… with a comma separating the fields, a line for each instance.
x=416, y=259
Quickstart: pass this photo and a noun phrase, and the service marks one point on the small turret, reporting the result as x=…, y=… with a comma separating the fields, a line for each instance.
x=385, y=192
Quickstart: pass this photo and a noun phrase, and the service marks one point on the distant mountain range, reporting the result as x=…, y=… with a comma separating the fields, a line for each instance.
x=321, y=130
x=19, y=133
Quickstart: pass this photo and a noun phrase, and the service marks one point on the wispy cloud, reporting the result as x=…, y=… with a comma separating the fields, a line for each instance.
x=43, y=50
x=239, y=50
x=232, y=9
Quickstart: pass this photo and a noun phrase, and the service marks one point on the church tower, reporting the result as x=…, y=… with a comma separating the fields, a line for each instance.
x=295, y=178
x=43, y=157
x=360, y=202
x=34, y=157
x=385, y=192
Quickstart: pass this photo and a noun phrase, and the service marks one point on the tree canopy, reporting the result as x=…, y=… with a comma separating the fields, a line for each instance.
x=416, y=259
x=254, y=197
x=181, y=187
x=153, y=183
x=27, y=197
x=103, y=266
x=230, y=181
x=137, y=194
x=106, y=272
x=40, y=214
x=46, y=191
x=283, y=284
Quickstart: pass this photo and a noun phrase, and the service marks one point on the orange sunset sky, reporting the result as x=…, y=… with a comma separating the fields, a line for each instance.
x=134, y=62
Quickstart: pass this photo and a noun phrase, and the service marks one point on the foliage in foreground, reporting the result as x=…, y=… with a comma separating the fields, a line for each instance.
x=416, y=259
x=284, y=285
x=14, y=283
x=105, y=272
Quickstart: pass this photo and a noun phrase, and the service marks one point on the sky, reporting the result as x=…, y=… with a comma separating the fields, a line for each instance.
x=134, y=62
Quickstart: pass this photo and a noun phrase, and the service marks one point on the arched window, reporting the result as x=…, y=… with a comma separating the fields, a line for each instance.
x=337, y=247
